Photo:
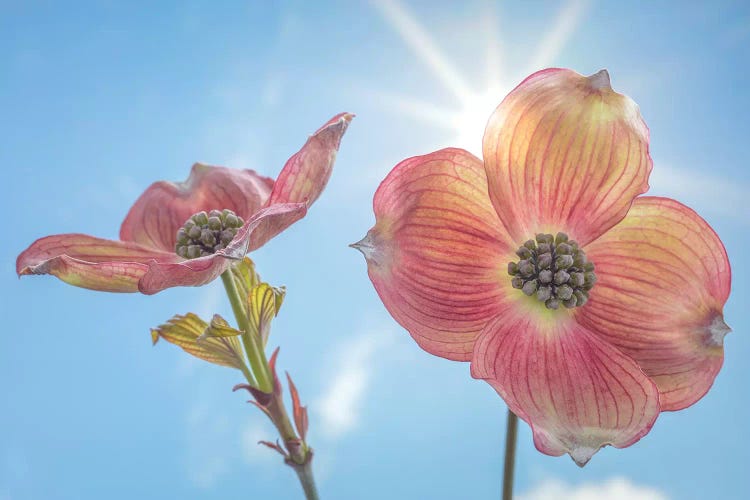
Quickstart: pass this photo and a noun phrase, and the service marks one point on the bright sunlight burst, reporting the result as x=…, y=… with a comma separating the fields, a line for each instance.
x=475, y=105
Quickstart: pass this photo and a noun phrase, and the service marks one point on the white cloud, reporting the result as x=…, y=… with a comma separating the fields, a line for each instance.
x=208, y=439
x=702, y=191
x=340, y=405
x=612, y=489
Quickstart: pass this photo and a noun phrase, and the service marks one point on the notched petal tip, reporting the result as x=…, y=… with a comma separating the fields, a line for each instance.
x=366, y=246
x=716, y=331
x=583, y=454
x=600, y=80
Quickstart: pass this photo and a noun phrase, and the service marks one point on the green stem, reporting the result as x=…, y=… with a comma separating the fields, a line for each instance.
x=304, y=472
x=511, y=433
x=299, y=457
x=256, y=356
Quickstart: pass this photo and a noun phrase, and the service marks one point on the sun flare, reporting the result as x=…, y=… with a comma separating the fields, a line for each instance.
x=476, y=104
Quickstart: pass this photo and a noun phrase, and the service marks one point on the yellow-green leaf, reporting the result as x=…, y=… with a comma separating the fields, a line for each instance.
x=184, y=331
x=218, y=328
x=245, y=277
x=264, y=303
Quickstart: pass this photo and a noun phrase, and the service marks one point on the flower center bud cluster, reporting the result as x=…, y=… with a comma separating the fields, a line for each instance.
x=207, y=233
x=554, y=270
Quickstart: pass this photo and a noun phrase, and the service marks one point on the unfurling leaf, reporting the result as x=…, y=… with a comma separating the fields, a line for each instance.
x=264, y=302
x=184, y=331
x=218, y=328
x=245, y=277
x=274, y=446
x=300, y=412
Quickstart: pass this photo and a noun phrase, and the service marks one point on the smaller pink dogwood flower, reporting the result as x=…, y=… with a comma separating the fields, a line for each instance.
x=187, y=233
x=587, y=307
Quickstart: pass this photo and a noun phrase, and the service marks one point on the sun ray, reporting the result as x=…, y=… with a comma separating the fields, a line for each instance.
x=420, y=42
x=468, y=119
x=489, y=26
x=423, y=111
x=565, y=24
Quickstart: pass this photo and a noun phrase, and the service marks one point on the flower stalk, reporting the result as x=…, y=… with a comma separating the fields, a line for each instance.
x=255, y=354
x=511, y=434
x=266, y=389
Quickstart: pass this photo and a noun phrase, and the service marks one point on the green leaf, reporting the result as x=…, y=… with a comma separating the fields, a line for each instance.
x=264, y=302
x=218, y=328
x=245, y=277
x=184, y=331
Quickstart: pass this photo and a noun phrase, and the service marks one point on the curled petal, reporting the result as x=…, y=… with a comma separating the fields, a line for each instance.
x=663, y=279
x=577, y=392
x=305, y=174
x=564, y=152
x=89, y=262
x=165, y=206
x=197, y=272
x=438, y=254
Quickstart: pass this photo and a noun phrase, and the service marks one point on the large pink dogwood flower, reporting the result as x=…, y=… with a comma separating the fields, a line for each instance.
x=188, y=233
x=588, y=308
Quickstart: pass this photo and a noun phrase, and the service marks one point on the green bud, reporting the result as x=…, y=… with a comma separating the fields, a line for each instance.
x=200, y=219
x=564, y=249
x=182, y=237
x=588, y=280
x=214, y=223
x=524, y=253
x=194, y=233
x=529, y=287
x=564, y=292
x=571, y=302
x=530, y=244
x=517, y=282
x=193, y=251
x=545, y=238
x=545, y=276
x=227, y=236
x=579, y=260
x=231, y=220
x=561, y=277
x=561, y=238
x=564, y=261
x=525, y=268
x=512, y=268
x=576, y=279
x=545, y=260
x=552, y=303
x=208, y=238
x=544, y=293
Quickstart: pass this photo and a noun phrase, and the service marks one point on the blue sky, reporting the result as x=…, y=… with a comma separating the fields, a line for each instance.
x=101, y=99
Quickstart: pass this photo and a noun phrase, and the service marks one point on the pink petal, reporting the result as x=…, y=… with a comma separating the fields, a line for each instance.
x=663, y=278
x=165, y=206
x=577, y=392
x=438, y=254
x=197, y=272
x=89, y=262
x=564, y=152
x=305, y=174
